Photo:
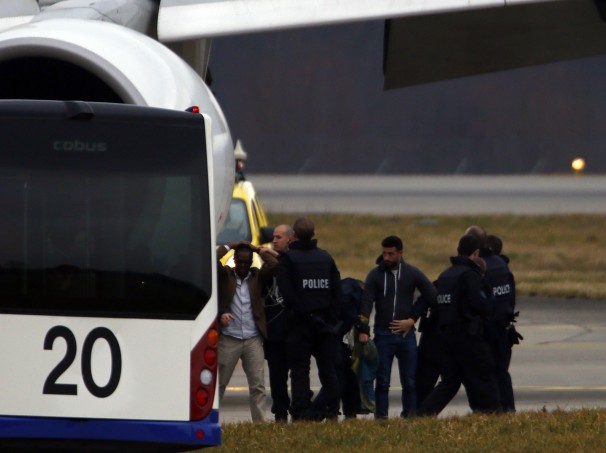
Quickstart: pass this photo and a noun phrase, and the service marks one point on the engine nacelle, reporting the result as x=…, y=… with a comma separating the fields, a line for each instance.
x=70, y=59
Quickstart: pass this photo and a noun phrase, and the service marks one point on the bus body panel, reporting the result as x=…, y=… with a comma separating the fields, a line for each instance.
x=154, y=369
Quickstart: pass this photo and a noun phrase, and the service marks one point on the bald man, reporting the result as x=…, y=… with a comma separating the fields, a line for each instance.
x=275, y=344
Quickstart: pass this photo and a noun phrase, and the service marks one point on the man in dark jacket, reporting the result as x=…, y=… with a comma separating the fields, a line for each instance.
x=242, y=317
x=309, y=281
x=462, y=309
x=429, y=351
x=502, y=284
x=275, y=344
x=391, y=287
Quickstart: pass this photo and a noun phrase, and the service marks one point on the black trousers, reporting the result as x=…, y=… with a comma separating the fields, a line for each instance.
x=348, y=386
x=429, y=363
x=467, y=360
x=502, y=353
x=302, y=343
x=277, y=363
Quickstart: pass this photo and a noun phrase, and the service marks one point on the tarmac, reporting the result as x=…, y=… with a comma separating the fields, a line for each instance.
x=432, y=195
x=560, y=364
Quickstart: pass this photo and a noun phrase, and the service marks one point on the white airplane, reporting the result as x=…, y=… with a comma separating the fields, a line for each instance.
x=155, y=52
x=108, y=318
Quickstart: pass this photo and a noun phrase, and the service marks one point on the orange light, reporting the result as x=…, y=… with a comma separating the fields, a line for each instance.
x=578, y=164
x=213, y=337
x=210, y=357
x=202, y=397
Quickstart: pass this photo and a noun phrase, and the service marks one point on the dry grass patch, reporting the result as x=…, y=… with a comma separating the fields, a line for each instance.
x=560, y=255
x=559, y=431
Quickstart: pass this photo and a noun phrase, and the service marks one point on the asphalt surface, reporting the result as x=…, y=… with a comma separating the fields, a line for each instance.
x=561, y=363
x=435, y=195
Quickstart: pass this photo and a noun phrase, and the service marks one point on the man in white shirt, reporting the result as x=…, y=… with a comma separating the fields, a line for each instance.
x=242, y=317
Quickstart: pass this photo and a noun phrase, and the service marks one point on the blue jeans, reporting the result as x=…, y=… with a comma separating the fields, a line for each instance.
x=405, y=350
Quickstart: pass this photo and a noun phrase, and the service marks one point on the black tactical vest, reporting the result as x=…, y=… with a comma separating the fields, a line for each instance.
x=312, y=279
x=450, y=301
x=500, y=279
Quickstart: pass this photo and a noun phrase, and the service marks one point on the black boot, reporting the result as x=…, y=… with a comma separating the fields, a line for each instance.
x=281, y=417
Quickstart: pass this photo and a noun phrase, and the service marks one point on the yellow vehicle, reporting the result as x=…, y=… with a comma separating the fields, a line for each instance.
x=246, y=221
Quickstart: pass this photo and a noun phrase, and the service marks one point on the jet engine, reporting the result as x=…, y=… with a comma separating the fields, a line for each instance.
x=71, y=59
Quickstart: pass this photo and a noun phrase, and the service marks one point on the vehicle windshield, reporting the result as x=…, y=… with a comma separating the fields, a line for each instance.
x=105, y=234
x=237, y=224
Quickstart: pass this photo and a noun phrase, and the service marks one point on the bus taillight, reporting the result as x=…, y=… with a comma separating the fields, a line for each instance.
x=203, y=374
x=202, y=397
x=210, y=357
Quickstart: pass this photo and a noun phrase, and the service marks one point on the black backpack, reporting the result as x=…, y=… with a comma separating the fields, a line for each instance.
x=351, y=301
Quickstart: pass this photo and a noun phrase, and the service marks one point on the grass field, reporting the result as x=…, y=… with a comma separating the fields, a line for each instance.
x=560, y=255
x=528, y=432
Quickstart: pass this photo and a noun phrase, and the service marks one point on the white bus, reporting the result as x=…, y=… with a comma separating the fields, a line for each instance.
x=108, y=332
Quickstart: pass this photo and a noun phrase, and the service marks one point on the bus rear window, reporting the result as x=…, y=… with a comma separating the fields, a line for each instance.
x=106, y=233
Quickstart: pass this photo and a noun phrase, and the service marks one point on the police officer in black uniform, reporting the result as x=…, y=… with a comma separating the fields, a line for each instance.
x=429, y=353
x=501, y=280
x=309, y=281
x=461, y=312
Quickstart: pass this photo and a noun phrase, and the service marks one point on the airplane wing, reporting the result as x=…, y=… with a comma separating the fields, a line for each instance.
x=426, y=40
x=489, y=40
x=17, y=12
x=190, y=19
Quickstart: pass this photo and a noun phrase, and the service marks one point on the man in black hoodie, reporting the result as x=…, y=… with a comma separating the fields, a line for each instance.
x=390, y=287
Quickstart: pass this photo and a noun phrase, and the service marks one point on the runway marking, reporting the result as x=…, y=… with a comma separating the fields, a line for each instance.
x=245, y=389
x=536, y=388
x=561, y=388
